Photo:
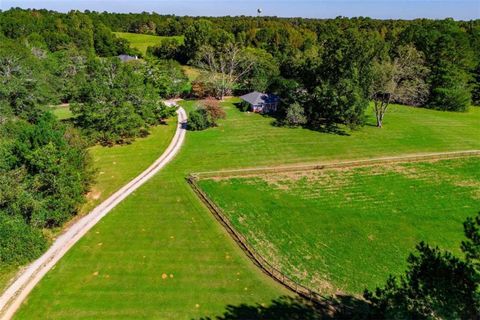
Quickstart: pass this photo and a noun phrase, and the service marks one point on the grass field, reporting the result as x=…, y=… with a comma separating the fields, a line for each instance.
x=344, y=230
x=116, y=166
x=143, y=41
x=163, y=229
x=62, y=113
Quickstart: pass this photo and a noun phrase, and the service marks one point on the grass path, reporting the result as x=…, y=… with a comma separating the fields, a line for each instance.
x=160, y=253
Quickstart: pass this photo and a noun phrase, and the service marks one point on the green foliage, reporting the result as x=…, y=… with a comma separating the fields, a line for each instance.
x=203, y=33
x=23, y=82
x=45, y=172
x=19, y=243
x=116, y=104
x=449, y=55
x=49, y=167
x=295, y=115
x=167, y=78
x=456, y=98
x=437, y=284
x=168, y=48
x=263, y=70
x=205, y=115
x=471, y=246
x=199, y=120
x=337, y=82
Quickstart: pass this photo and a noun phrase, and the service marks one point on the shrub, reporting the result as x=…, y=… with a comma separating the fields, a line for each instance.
x=199, y=120
x=19, y=242
x=206, y=115
x=450, y=99
x=213, y=108
x=295, y=115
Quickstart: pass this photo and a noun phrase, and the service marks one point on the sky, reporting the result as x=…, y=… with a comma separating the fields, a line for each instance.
x=384, y=9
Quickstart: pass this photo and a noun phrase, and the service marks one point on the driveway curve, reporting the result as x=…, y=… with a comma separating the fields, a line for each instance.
x=14, y=295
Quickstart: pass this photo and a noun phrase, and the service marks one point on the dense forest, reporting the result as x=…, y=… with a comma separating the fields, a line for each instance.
x=325, y=71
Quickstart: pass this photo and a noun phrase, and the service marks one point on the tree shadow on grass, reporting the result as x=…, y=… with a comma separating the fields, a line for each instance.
x=279, y=121
x=288, y=308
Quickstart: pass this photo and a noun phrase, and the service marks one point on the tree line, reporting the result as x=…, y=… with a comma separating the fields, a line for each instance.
x=332, y=68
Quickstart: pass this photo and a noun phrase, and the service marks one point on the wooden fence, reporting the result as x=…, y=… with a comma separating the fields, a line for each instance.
x=270, y=270
x=337, y=164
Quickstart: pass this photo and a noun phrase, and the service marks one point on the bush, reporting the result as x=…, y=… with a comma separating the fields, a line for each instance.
x=213, y=108
x=450, y=99
x=295, y=115
x=19, y=242
x=199, y=120
x=206, y=115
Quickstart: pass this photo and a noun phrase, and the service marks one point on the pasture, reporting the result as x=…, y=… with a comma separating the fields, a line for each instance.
x=344, y=230
x=143, y=41
x=161, y=254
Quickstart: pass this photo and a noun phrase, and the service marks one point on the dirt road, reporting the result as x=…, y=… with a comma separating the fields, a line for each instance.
x=13, y=296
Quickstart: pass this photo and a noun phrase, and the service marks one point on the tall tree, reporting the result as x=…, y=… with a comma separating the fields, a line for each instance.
x=225, y=67
x=401, y=80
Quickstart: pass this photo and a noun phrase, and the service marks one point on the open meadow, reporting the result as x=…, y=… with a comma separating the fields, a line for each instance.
x=143, y=41
x=344, y=230
x=161, y=254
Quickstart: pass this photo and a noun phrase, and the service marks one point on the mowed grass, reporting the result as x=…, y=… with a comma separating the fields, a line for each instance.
x=345, y=230
x=118, y=165
x=164, y=229
x=143, y=41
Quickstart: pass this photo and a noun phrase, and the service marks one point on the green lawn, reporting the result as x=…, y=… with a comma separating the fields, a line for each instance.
x=116, y=166
x=119, y=164
x=164, y=229
x=143, y=41
x=345, y=230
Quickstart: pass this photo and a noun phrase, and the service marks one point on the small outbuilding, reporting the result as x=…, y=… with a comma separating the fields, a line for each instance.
x=126, y=57
x=261, y=102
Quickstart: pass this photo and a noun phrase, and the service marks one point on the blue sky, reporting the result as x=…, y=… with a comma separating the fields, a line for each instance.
x=405, y=9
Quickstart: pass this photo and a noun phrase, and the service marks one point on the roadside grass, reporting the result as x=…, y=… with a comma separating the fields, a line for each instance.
x=115, y=167
x=119, y=164
x=143, y=41
x=164, y=229
x=344, y=230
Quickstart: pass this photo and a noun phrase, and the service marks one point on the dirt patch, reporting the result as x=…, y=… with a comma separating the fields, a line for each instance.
x=94, y=194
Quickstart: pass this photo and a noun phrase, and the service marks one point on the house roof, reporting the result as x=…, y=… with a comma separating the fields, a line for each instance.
x=255, y=98
x=126, y=57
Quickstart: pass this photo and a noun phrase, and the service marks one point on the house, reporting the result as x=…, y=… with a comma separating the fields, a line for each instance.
x=261, y=102
x=126, y=57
